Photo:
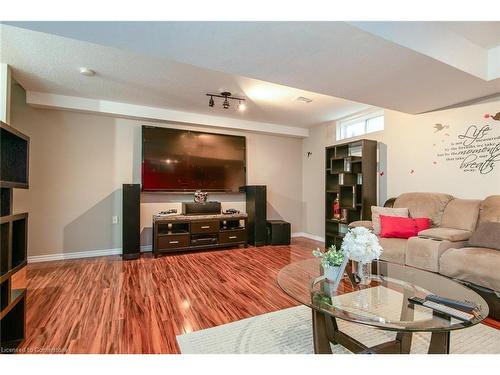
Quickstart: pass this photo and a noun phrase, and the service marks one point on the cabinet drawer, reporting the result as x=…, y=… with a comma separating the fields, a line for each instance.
x=173, y=241
x=231, y=236
x=205, y=227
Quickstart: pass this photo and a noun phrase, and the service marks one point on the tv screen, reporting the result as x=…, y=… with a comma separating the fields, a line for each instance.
x=181, y=160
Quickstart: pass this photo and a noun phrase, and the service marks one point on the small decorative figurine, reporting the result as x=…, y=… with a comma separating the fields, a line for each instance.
x=200, y=197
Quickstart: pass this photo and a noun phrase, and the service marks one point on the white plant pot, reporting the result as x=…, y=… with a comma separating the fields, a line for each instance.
x=332, y=273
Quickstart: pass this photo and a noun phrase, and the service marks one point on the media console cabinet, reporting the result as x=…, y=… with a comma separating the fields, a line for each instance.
x=174, y=233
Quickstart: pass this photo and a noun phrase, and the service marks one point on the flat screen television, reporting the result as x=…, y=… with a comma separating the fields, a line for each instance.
x=184, y=161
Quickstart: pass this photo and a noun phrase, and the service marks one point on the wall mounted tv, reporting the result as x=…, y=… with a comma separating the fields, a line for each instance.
x=184, y=161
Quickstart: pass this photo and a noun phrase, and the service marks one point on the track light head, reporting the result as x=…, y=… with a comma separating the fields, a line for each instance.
x=211, y=102
x=241, y=106
x=225, y=94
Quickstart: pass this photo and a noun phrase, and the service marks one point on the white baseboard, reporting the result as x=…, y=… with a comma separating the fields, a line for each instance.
x=308, y=235
x=81, y=254
x=74, y=255
x=118, y=251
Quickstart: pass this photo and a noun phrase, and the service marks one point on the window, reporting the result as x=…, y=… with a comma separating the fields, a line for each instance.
x=360, y=124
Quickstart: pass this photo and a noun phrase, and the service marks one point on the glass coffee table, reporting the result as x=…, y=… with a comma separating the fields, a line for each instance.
x=382, y=304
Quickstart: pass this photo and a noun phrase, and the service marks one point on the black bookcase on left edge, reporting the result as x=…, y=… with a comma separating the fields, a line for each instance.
x=14, y=173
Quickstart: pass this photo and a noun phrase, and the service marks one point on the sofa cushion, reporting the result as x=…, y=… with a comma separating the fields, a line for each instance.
x=489, y=209
x=430, y=205
x=486, y=235
x=448, y=234
x=394, y=249
x=461, y=214
x=479, y=266
x=361, y=223
x=424, y=253
x=387, y=211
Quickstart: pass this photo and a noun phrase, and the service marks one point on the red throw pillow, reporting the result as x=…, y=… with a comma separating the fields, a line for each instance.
x=402, y=227
x=422, y=223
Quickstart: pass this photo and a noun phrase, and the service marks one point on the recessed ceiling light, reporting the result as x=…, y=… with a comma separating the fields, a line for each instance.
x=87, y=72
x=303, y=99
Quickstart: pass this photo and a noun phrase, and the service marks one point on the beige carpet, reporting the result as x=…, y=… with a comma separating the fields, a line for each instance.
x=289, y=331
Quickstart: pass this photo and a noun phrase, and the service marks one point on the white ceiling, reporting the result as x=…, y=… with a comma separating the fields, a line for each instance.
x=173, y=64
x=49, y=63
x=485, y=34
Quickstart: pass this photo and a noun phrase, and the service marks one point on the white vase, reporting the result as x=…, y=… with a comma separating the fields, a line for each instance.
x=332, y=273
x=364, y=271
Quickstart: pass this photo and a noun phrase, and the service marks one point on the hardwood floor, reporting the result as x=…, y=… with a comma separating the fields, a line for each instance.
x=106, y=305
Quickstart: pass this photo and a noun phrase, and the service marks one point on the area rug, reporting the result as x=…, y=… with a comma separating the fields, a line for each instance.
x=289, y=331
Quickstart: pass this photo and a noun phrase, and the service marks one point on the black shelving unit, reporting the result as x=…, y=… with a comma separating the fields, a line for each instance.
x=350, y=177
x=13, y=236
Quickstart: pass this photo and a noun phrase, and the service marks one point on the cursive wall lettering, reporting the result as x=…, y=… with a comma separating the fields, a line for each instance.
x=476, y=150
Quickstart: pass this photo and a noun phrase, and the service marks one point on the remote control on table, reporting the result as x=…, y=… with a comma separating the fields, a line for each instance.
x=460, y=305
x=442, y=309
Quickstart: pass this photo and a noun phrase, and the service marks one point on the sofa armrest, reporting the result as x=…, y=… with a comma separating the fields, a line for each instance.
x=362, y=223
x=445, y=234
x=390, y=202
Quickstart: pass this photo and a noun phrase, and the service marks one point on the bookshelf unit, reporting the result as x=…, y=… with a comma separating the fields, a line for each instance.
x=13, y=237
x=350, y=177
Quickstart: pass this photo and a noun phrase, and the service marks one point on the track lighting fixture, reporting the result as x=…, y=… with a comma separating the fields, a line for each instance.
x=225, y=104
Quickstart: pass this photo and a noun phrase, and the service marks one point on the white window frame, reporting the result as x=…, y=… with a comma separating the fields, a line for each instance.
x=362, y=117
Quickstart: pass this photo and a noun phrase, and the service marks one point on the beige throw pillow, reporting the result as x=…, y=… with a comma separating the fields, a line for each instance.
x=386, y=211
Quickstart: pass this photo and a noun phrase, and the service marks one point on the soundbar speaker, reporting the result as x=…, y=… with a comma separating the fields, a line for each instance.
x=206, y=208
x=131, y=221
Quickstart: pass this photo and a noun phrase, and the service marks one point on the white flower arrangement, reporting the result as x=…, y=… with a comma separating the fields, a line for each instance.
x=361, y=245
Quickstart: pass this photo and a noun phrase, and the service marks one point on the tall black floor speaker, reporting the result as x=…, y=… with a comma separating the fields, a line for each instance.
x=257, y=213
x=131, y=222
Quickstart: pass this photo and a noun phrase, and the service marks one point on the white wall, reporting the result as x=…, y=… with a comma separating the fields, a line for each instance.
x=5, y=90
x=413, y=144
x=78, y=163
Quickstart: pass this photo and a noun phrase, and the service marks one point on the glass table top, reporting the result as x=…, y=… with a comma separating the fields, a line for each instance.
x=384, y=302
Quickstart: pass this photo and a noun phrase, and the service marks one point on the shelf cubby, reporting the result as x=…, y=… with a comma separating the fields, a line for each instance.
x=347, y=197
x=14, y=158
x=4, y=248
x=5, y=201
x=348, y=179
x=342, y=151
x=19, y=242
x=332, y=182
x=172, y=229
x=13, y=321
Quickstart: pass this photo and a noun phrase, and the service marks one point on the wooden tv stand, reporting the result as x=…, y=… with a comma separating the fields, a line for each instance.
x=174, y=233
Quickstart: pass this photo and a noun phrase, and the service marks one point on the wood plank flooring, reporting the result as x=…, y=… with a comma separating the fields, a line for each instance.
x=106, y=305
